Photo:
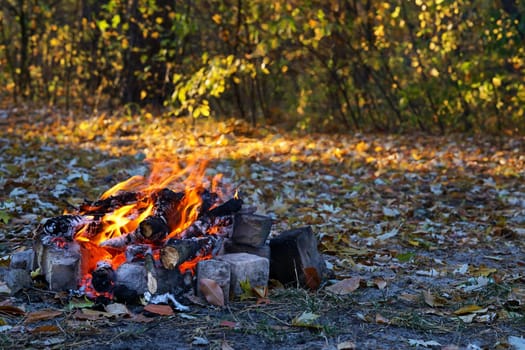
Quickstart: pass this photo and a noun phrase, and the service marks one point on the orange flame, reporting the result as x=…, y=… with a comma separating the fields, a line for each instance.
x=126, y=219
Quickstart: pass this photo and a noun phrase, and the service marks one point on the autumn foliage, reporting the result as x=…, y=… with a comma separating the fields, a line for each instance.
x=436, y=65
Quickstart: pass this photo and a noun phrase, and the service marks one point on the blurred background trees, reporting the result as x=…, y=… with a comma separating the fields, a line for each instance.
x=338, y=65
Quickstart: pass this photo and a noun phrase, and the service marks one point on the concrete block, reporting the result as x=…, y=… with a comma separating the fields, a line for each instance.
x=244, y=267
x=217, y=270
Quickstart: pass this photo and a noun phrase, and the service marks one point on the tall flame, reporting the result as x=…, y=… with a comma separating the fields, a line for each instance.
x=126, y=218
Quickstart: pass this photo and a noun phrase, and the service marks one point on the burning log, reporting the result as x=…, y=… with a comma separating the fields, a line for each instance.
x=177, y=251
x=106, y=205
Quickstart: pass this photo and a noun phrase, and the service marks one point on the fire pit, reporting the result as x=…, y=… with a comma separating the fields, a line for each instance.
x=163, y=236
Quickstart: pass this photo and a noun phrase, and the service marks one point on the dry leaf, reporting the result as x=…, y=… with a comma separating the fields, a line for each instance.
x=345, y=286
x=211, y=291
x=469, y=309
x=261, y=292
x=159, y=309
x=41, y=315
x=380, y=283
x=432, y=300
x=117, y=309
x=312, y=278
x=346, y=345
x=92, y=315
x=380, y=319
x=11, y=310
x=46, y=329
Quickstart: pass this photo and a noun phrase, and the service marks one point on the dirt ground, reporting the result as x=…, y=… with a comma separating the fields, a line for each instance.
x=430, y=230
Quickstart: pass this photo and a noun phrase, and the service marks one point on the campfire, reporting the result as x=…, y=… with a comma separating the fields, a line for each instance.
x=168, y=234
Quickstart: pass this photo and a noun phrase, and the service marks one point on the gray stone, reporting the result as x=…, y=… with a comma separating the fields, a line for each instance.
x=216, y=270
x=17, y=279
x=244, y=267
x=22, y=260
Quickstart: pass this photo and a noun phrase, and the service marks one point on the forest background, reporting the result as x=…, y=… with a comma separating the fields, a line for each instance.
x=436, y=66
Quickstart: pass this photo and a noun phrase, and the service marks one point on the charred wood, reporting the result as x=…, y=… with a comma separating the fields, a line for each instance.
x=251, y=229
x=64, y=226
x=104, y=206
x=177, y=251
x=103, y=277
x=229, y=207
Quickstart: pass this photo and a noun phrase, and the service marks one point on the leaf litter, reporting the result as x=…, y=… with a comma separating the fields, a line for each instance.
x=431, y=227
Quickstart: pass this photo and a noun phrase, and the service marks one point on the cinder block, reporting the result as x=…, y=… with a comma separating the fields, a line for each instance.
x=216, y=270
x=244, y=267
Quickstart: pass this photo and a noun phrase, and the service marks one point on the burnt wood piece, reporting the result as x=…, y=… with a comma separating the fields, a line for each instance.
x=229, y=207
x=153, y=229
x=177, y=251
x=251, y=229
x=295, y=259
x=103, y=277
x=104, y=206
x=64, y=226
x=204, y=224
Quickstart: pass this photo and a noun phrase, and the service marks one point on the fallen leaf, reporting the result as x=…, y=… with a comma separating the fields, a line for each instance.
x=91, y=315
x=159, y=309
x=345, y=286
x=200, y=341
x=226, y=346
x=426, y=344
x=312, y=278
x=117, y=309
x=468, y=309
x=229, y=324
x=211, y=291
x=346, y=345
x=380, y=319
x=306, y=319
x=380, y=283
x=431, y=300
x=45, y=329
x=41, y=315
x=261, y=291
x=11, y=310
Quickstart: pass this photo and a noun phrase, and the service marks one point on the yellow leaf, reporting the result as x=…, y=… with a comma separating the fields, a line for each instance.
x=362, y=147
x=211, y=291
x=143, y=94
x=217, y=18
x=468, y=309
